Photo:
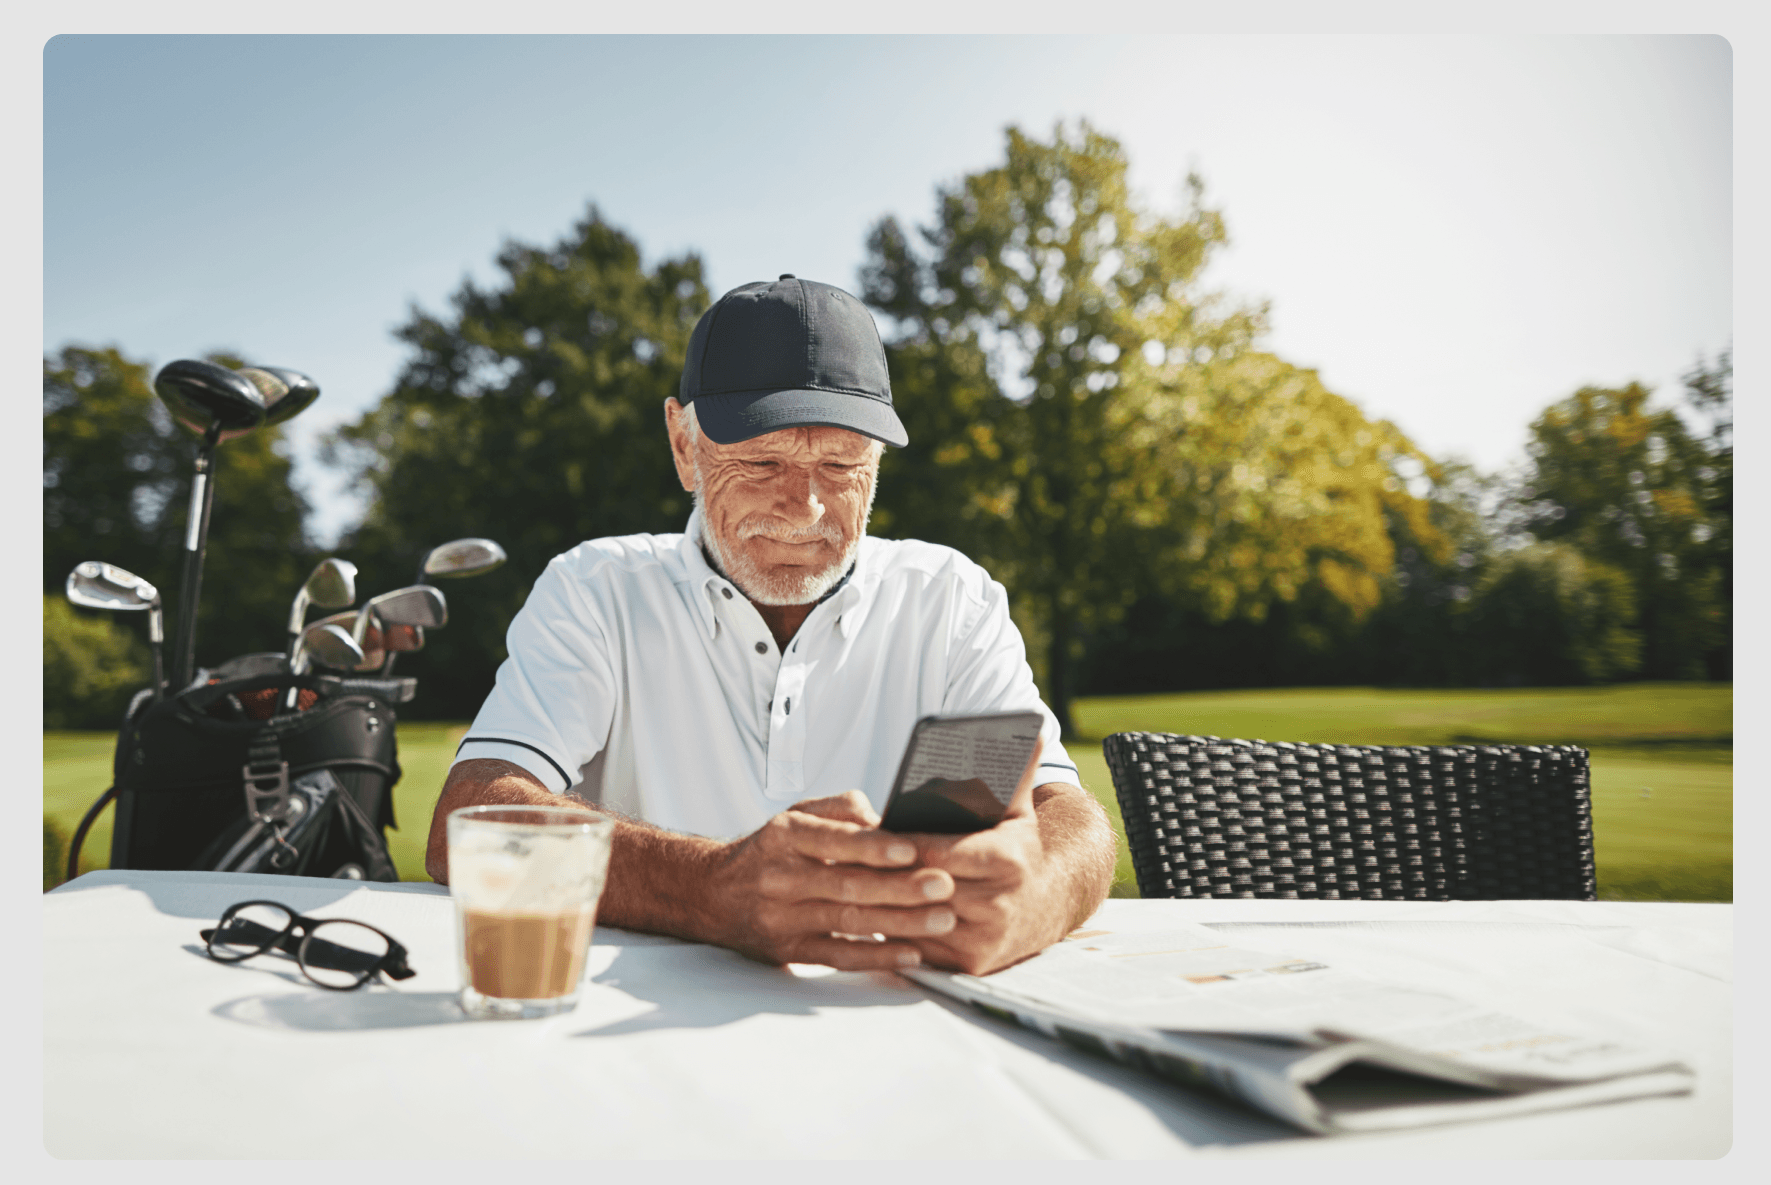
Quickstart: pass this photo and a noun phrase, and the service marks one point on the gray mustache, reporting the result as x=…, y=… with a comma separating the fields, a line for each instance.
x=776, y=529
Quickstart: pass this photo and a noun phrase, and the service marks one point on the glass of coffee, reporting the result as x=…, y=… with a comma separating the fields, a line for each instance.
x=525, y=880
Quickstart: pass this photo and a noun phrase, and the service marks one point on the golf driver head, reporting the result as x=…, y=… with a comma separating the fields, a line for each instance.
x=462, y=557
x=97, y=585
x=328, y=644
x=417, y=604
x=201, y=395
x=287, y=393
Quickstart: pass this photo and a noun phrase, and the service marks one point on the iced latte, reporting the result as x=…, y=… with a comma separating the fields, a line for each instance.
x=525, y=882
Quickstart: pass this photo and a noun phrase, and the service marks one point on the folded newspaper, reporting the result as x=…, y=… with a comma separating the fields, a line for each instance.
x=1321, y=1048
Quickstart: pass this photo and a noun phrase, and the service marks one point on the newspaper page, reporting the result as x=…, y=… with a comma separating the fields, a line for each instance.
x=1281, y=1032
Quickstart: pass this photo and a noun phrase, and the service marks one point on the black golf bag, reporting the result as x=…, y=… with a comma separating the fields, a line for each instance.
x=200, y=783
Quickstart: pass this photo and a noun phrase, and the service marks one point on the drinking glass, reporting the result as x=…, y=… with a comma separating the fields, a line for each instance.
x=526, y=880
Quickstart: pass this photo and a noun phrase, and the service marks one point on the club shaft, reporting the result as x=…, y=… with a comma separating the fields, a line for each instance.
x=202, y=500
x=156, y=639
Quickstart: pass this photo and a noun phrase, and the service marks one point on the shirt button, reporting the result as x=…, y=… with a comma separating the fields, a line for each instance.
x=762, y=647
x=726, y=593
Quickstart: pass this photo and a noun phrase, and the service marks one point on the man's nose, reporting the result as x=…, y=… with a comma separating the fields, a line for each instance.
x=796, y=497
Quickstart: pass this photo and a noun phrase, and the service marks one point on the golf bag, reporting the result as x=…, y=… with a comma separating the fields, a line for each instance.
x=201, y=784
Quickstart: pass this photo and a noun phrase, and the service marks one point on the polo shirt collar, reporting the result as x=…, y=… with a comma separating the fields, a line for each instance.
x=701, y=575
x=849, y=596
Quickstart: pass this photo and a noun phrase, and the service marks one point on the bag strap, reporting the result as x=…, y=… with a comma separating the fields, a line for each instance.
x=85, y=826
x=265, y=778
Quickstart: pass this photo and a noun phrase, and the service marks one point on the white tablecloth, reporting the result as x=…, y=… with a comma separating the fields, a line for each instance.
x=151, y=1049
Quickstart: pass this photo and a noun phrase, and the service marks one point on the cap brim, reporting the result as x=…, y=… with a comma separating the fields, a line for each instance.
x=728, y=419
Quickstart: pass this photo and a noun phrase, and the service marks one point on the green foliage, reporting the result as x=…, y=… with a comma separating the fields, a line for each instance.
x=55, y=855
x=1630, y=487
x=1546, y=615
x=1090, y=426
x=92, y=663
x=116, y=487
x=533, y=415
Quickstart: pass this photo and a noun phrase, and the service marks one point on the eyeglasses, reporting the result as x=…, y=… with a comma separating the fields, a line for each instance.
x=332, y=952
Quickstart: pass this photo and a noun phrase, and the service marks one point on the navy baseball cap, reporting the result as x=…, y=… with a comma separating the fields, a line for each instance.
x=791, y=354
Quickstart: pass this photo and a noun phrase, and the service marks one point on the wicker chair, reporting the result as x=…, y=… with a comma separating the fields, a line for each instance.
x=1207, y=817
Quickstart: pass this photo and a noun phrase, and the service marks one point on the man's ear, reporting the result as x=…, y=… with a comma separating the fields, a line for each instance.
x=682, y=449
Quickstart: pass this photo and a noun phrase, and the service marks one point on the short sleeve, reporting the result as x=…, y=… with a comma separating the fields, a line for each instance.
x=988, y=672
x=552, y=704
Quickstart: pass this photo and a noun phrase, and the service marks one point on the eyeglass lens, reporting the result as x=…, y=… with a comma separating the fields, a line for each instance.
x=249, y=930
x=341, y=954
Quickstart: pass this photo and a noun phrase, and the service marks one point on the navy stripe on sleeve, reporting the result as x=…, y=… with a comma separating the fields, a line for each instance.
x=1053, y=764
x=466, y=741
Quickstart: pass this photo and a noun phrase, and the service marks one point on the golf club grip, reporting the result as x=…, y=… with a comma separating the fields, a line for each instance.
x=394, y=691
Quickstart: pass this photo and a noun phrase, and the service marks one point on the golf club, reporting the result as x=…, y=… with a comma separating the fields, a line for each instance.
x=97, y=585
x=378, y=640
x=417, y=604
x=218, y=405
x=454, y=560
x=286, y=392
x=328, y=643
x=459, y=558
x=331, y=585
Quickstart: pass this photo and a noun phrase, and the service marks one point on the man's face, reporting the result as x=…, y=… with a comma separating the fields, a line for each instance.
x=783, y=513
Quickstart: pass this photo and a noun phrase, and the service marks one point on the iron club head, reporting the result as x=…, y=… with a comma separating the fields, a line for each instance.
x=461, y=557
x=94, y=584
x=330, y=645
x=417, y=604
x=331, y=585
x=97, y=585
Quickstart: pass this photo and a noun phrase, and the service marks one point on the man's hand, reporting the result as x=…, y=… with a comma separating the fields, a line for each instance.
x=793, y=890
x=1023, y=884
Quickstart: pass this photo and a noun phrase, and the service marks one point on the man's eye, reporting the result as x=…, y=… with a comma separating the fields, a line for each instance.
x=760, y=464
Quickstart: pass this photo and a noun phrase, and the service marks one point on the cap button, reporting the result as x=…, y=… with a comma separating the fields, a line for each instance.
x=788, y=276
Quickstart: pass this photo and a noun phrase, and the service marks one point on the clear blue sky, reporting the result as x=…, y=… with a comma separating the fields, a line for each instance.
x=1454, y=230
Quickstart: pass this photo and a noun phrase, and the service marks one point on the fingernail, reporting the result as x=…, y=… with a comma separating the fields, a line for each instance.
x=909, y=958
x=933, y=889
x=940, y=921
x=902, y=853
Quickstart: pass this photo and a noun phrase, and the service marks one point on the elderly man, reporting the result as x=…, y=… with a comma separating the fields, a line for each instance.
x=738, y=696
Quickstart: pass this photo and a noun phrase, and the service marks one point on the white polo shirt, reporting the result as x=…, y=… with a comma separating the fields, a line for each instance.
x=642, y=680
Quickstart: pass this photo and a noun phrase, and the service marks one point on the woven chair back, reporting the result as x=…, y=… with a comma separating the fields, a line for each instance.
x=1207, y=817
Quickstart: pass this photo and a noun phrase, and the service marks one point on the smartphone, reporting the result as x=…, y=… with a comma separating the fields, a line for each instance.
x=960, y=773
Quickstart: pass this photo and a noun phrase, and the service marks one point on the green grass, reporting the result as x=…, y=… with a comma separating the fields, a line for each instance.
x=1662, y=757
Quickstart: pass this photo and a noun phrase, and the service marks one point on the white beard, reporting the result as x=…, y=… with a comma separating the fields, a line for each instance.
x=789, y=587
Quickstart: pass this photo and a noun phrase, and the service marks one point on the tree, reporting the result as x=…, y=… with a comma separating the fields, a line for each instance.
x=533, y=415
x=1709, y=388
x=1091, y=427
x=116, y=486
x=92, y=665
x=1547, y=615
x=1631, y=488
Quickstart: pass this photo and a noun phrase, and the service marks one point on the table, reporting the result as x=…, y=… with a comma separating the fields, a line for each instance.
x=678, y=1050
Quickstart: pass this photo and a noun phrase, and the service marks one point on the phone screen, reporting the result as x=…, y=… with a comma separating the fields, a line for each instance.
x=959, y=773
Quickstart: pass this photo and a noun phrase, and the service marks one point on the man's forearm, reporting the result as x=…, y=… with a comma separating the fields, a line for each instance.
x=656, y=880
x=1079, y=842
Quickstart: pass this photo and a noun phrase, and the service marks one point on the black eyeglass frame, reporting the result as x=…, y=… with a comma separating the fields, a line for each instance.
x=393, y=963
